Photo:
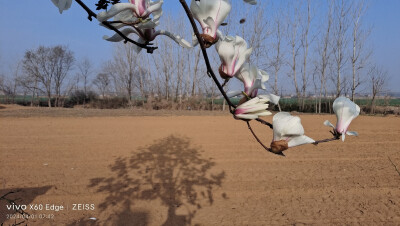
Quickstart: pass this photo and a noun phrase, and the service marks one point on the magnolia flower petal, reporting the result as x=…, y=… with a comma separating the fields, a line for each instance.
x=252, y=109
x=62, y=4
x=233, y=53
x=247, y=74
x=244, y=56
x=154, y=7
x=299, y=140
x=217, y=10
x=352, y=133
x=158, y=12
x=117, y=38
x=148, y=24
x=343, y=136
x=271, y=98
x=286, y=125
x=114, y=10
x=328, y=123
x=246, y=116
x=251, y=2
x=209, y=21
x=345, y=111
x=253, y=101
x=264, y=113
x=182, y=42
x=257, y=107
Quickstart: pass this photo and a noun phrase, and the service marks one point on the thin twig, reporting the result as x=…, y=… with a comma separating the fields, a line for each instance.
x=265, y=123
x=395, y=167
x=89, y=12
x=260, y=142
x=210, y=72
x=326, y=140
x=111, y=27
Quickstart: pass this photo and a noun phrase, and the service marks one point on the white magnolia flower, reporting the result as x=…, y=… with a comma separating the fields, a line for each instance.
x=133, y=11
x=252, y=109
x=252, y=2
x=147, y=35
x=288, y=132
x=62, y=4
x=252, y=78
x=271, y=97
x=210, y=14
x=345, y=111
x=233, y=53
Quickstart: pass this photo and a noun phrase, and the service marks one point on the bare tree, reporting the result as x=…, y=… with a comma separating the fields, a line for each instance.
x=305, y=43
x=293, y=38
x=378, y=79
x=341, y=24
x=10, y=84
x=324, y=54
x=64, y=60
x=102, y=82
x=124, y=68
x=277, y=59
x=48, y=66
x=84, y=70
x=360, y=53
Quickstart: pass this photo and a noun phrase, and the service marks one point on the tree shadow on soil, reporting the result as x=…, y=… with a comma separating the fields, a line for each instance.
x=19, y=196
x=170, y=171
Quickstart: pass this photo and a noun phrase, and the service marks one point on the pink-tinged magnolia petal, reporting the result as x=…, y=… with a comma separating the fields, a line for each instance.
x=252, y=78
x=345, y=111
x=62, y=4
x=251, y=2
x=259, y=83
x=210, y=14
x=247, y=74
x=233, y=53
x=252, y=109
x=299, y=140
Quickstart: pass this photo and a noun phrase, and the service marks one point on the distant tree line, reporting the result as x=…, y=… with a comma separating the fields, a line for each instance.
x=321, y=49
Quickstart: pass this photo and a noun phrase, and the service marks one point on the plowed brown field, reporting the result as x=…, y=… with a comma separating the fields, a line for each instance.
x=195, y=170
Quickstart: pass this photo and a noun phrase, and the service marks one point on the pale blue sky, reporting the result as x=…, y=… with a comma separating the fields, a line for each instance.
x=26, y=24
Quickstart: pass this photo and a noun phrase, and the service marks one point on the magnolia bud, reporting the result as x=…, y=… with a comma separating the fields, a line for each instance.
x=279, y=146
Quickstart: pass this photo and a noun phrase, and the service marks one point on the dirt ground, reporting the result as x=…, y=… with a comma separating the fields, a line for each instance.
x=192, y=169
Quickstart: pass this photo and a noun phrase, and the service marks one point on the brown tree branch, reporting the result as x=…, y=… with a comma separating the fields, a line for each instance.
x=260, y=142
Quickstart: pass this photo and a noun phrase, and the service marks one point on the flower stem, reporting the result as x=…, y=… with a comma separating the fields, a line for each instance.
x=259, y=141
x=326, y=140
